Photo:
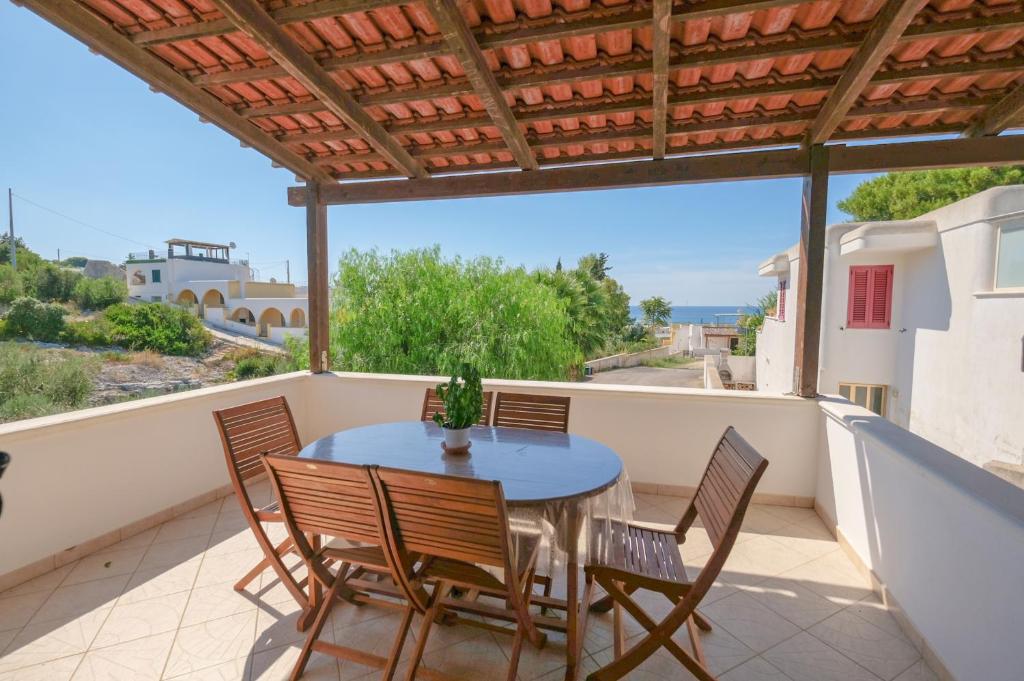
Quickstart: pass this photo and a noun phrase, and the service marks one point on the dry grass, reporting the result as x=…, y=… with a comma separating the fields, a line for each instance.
x=147, y=358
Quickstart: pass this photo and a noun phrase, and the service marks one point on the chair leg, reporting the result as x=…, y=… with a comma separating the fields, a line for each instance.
x=396, y=648
x=318, y=624
x=701, y=622
x=698, y=647
x=281, y=549
x=434, y=609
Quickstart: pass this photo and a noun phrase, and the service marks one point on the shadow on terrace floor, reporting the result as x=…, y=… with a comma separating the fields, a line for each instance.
x=789, y=607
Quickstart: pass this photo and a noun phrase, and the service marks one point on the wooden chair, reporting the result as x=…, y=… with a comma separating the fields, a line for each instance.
x=246, y=431
x=640, y=558
x=453, y=526
x=536, y=412
x=326, y=498
x=432, y=403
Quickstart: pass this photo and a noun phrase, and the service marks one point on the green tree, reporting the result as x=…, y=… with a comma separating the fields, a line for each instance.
x=902, y=196
x=29, y=318
x=99, y=294
x=50, y=283
x=415, y=312
x=656, y=310
x=10, y=285
x=585, y=306
x=751, y=323
x=75, y=261
x=596, y=264
x=27, y=258
x=164, y=328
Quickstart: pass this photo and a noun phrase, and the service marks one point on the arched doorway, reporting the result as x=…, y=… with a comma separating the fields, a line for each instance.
x=297, y=318
x=212, y=298
x=243, y=315
x=187, y=297
x=270, y=317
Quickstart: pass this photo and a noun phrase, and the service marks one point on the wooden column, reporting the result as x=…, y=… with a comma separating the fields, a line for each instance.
x=319, y=304
x=810, y=276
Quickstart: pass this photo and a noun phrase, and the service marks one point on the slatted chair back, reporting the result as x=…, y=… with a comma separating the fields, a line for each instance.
x=445, y=517
x=536, y=412
x=248, y=430
x=432, y=404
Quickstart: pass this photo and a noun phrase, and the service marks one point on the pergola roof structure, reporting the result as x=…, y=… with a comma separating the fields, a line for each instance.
x=366, y=89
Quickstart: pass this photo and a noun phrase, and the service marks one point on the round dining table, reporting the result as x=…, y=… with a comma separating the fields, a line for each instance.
x=550, y=474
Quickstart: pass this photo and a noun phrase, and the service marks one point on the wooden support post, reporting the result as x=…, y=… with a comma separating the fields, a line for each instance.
x=810, y=276
x=319, y=305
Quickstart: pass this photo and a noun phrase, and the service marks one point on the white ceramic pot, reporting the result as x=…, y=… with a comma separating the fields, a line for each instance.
x=456, y=438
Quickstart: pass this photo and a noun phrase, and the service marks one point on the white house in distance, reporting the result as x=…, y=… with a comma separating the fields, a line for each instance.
x=922, y=322
x=202, y=276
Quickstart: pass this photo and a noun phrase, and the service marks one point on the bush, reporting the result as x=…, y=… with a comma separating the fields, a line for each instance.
x=155, y=326
x=36, y=382
x=10, y=285
x=92, y=332
x=99, y=294
x=51, y=283
x=29, y=318
x=252, y=363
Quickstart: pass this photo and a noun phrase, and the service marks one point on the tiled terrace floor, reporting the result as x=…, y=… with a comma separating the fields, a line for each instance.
x=788, y=607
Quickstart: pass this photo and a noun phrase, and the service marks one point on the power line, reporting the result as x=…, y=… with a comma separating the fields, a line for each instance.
x=80, y=222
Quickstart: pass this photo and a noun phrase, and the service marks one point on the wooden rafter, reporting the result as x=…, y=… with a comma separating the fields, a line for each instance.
x=251, y=18
x=661, y=25
x=890, y=23
x=1000, y=116
x=75, y=19
x=460, y=39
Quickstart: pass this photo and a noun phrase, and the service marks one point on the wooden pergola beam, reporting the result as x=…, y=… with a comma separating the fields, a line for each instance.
x=283, y=15
x=460, y=39
x=1000, y=116
x=73, y=18
x=811, y=273
x=317, y=273
x=886, y=29
x=661, y=26
x=250, y=17
x=955, y=153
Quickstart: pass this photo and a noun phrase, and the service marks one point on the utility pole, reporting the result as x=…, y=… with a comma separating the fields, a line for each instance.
x=288, y=271
x=13, y=249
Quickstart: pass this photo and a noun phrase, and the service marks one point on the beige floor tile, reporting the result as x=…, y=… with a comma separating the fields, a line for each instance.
x=587, y=666
x=813, y=542
x=131, y=621
x=275, y=625
x=375, y=636
x=831, y=576
x=161, y=581
x=105, y=563
x=211, y=643
x=207, y=603
x=185, y=528
x=472, y=660
x=213, y=508
x=793, y=601
x=232, y=541
x=138, y=540
x=229, y=567
x=231, y=519
x=232, y=670
x=16, y=611
x=864, y=643
x=442, y=636
x=69, y=602
x=757, y=669
x=6, y=637
x=48, y=582
x=345, y=615
x=277, y=665
x=661, y=666
x=873, y=610
x=752, y=623
x=46, y=641
x=792, y=514
x=919, y=671
x=172, y=553
x=534, y=663
x=54, y=670
x=139, y=660
x=756, y=560
x=722, y=650
x=805, y=658
x=759, y=520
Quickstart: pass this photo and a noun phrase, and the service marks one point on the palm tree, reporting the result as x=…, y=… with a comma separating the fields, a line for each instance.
x=657, y=311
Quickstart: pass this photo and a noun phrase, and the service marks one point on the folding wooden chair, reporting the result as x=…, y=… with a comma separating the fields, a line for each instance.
x=246, y=431
x=535, y=412
x=635, y=557
x=432, y=404
x=339, y=500
x=453, y=526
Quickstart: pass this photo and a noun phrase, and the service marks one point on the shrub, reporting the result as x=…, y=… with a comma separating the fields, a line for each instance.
x=51, y=283
x=251, y=363
x=30, y=318
x=156, y=326
x=10, y=285
x=99, y=294
x=36, y=382
x=91, y=332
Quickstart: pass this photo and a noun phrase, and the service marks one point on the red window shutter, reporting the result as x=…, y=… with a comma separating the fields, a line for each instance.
x=869, y=305
x=857, y=303
x=780, y=304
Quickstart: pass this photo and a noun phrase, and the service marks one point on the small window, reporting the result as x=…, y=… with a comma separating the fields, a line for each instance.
x=869, y=305
x=872, y=397
x=1010, y=257
x=156, y=276
x=155, y=299
x=780, y=304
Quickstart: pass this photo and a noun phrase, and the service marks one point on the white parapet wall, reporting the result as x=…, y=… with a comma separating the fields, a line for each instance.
x=628, y=359
x=942, y=537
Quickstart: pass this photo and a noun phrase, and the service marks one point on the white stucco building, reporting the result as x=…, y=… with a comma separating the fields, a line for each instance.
x=202, y=276
x=922, y=322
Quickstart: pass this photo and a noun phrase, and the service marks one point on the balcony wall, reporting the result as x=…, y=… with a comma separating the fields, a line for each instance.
x=943, y=539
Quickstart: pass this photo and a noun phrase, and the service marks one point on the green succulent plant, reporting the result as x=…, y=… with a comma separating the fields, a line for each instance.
x=462, y=397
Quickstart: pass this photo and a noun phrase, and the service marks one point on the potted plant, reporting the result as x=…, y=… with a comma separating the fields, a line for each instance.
x=462, y=398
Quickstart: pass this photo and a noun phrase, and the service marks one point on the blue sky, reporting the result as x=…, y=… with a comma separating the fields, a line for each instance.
x=87, y=139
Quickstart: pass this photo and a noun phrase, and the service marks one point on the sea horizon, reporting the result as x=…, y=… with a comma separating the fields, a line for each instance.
x=699, y=314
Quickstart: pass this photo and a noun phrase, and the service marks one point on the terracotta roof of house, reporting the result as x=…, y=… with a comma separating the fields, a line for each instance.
x=576, y=78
